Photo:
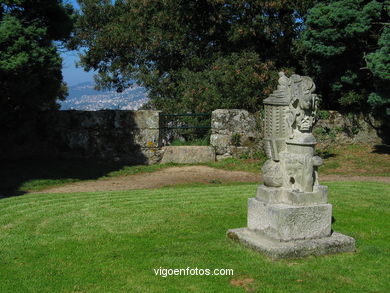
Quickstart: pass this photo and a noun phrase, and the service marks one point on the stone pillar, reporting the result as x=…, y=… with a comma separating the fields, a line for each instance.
x=233, y=132
x=290, y=216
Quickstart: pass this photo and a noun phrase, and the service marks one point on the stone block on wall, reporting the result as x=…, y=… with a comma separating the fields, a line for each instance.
x=145, y=137
x=220, y=142
x=234, y=132
x=147, y=119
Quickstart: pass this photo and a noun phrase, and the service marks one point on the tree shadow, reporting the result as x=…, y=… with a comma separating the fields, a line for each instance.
x=381, y=149
x=19, y=175
x=325, y=153
x=58, y=147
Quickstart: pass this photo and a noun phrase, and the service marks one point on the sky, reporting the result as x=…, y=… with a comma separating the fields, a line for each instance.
x=73, y=75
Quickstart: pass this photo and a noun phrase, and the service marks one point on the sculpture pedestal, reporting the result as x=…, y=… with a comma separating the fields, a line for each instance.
x=274, y=249
x=284, y=223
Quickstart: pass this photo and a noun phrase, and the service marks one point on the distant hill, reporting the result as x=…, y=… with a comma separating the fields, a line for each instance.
x=83, y=96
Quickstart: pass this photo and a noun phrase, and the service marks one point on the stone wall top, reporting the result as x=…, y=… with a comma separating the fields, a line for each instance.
x=140, y=119
x=225, y=121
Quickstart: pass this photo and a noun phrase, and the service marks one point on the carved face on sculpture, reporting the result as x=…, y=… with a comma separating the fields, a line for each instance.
x=306, y=101
x=305, y=124
x=307, y=104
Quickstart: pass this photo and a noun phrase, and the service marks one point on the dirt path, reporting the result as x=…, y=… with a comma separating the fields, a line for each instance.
x=180, y=175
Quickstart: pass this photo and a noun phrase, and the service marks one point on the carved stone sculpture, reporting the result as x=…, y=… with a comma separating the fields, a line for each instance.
x=289, y=143
x=290, y=216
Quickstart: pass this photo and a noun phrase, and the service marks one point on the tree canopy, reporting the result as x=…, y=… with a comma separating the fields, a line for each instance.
x=30, y=65
x=347, y=50
x=207, y=54
x=191, y=55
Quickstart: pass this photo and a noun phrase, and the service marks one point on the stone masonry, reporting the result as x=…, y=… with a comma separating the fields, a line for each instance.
x=135, y=136
x=128, y=136
x=234, y=132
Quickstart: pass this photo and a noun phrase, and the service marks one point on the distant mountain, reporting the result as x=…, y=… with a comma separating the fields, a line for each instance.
x=83, y=96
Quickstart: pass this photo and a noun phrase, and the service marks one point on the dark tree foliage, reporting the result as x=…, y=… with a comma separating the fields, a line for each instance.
x=191, y=55
x=379, y=64
x=30, y=65
x=347, y=48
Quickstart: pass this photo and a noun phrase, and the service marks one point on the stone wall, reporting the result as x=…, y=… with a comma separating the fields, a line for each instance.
x=135, y=136
x=129, y=136
x=334, y=127
x=113, y=135
x=238, y=132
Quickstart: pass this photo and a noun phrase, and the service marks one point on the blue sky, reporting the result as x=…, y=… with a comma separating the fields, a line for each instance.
x=71, y=74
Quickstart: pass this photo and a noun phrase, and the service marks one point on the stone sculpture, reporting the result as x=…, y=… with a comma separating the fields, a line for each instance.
x=290, y=216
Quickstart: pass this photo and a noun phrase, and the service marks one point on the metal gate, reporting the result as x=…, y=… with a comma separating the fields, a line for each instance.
x=185, y=126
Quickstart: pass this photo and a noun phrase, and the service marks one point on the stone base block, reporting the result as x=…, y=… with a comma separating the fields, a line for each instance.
x=274, y=249
x=288, y=222
x=188, y=154
x=279, y=195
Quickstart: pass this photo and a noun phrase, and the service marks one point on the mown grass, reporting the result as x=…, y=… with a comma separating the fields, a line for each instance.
x=111, y=242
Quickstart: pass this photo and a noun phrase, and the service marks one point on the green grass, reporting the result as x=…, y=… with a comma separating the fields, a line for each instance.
x=112, y=241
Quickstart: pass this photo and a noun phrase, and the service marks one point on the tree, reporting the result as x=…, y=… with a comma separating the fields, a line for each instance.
x=347, y=50
x=30, y=65
x=190, y=55
x=379, y=64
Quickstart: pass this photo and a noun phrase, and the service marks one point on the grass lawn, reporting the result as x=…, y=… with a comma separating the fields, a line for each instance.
x=112, y=242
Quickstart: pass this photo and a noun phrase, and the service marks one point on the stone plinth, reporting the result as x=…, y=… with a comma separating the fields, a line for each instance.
x=287, y=222
x=279, y=195
x=274, y=249
x=291, y=224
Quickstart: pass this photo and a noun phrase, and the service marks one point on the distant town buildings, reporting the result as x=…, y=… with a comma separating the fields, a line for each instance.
x=84, y=97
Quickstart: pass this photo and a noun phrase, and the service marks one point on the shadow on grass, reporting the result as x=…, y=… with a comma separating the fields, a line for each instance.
x=17, y=177
x=382, y=149
x=325, y=154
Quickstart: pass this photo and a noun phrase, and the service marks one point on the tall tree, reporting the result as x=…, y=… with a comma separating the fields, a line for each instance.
x=30, y=65
x=191, y=55
x=347, y=48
